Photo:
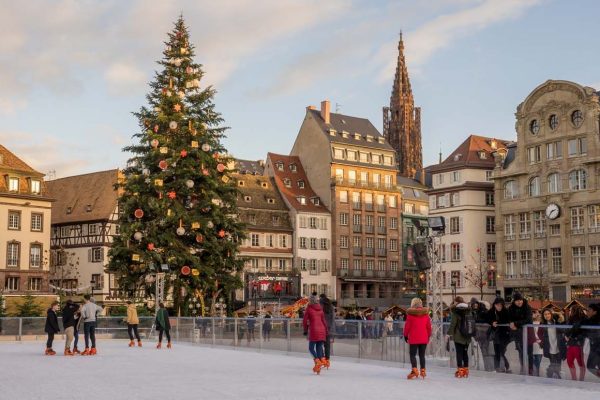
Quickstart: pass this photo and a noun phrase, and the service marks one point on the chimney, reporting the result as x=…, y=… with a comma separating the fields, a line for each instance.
x=325, y=111
x=310, y=108
x=422, y=176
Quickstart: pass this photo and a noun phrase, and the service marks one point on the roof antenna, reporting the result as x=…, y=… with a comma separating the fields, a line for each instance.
x=440, y=153
x=51, y=175
x=338, y=107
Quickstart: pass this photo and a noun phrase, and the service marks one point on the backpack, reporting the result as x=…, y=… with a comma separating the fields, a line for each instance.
x=467, y=325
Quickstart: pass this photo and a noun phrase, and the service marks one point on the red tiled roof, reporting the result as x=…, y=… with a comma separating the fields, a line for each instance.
x=294, y=191
x=468, y=154
x=10, y=161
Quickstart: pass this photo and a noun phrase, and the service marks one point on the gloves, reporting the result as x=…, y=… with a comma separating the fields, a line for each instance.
x=406, y=339
x=305, y=333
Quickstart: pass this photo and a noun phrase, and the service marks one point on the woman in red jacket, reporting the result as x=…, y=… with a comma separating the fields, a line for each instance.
x=316, y=328
x=417, y=330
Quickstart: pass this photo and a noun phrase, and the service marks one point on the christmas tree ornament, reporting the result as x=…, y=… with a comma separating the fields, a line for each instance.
x=160, y=195
x=172, y=195
x=181, y=94
x=195, y=225
x=183, y=50
x=194, y=144
x=155, y=128
x=154, y=143
x=195, y=272
x=180, y=231
x=135, y=257
x=177, y=62
x=177, y=107
x=221, y=233
x=185, y=270
x=138, y=236
x=205, y=147
x=158, y=182
x=225, y=179
x=162, y=164
x=146, y=171
x=157, y=109
x=163, y=150
x=168, y=48
x=205, y=172
x=138, y=213
x=189, y=70
x=164, y=90
x=189, y=183
x=150, y=246
x=220, y=167
x=171, y=82
x=169, y=212
x=199, y=238
x=210, y=225
x=147, y=180
x=173, y=125
x=183, y=153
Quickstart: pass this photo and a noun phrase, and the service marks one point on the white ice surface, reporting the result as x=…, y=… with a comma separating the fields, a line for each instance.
x=191, y=372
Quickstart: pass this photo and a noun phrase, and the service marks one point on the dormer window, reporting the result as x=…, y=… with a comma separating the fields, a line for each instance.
x=369, y=138
x=252, y=219
x=264, y=185
x=345, y=134
x=270, y=200
x=287, y=182
x=493, y=145
x=279, y=166
x=13, y=184
x=293, y=168
x=247, y=199
x=301, y=200
x=69, y=210
x=275, y=220
x=301, y=184
x=364, y=157
x=351, y=155
x=332, y=132
x=316, y=201
x=36, y=186
x=241, y=183
x=88, y=208
x=482, y=155
x=457, y=157
x=357, y=136
x=381, y=140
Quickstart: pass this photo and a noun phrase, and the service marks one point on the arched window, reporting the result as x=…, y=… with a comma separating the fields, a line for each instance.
x=577, y=118
x=553, y=183
x=578, y=179
x=510, y=190
x=553, y=121
x=534, y=186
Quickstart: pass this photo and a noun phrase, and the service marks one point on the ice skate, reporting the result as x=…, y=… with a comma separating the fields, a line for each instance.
x=458, y=373
x=465, y=373
x=325, y=362
x=93, y=351
x=68, y=352
x=169, y=345
x=131, y=343
x=423, y=373
x=159, y=345
x=317, y=367
x=49, y=352
x=86, y=352
x=76, y=351
x=414, y=373
x=139, y=343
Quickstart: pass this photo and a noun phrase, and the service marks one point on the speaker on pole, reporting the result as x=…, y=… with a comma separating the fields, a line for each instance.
x=421, y=256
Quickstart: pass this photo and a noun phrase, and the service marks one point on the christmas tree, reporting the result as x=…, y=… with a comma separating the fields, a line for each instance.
x=177, y=200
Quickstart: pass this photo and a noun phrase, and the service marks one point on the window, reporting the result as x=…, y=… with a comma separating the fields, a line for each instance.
x=393, y=223
x=351, y=155
x=491, y=252
x=556, y=260
x=344, y=242
x=283, y=241
x=381, y=243
x=381, y=265
x=534, y=154
x=338, y=153
x=387, y=160
x=541, y=262
x=92, y=229
x=509, y=226
x=577, y=147
x=301, y=184
x=35, y=284
x=455, y=199
x=553, y=121
x=35, y=256
x=369, y=220
x=578, y=179
x=491, y=278
x=301, y=200
x=323, y=223
x=356, y=200
x=352, y=177
x=343, y=218
x=313, y=243
x=13, y=184
x=381, y=222
x=324, y=245
x=376, y=158
x=356, y=219
x=275, y=220
x=539, y=223
x=578, y=260
x=96, y=254
x=577, y=220
x=343, y=196
x=357, y=264
x=293, y=168
x=488, y=175
x=489, y=198
x=14, y=220
x=339, y=175
x=268, y=264
x=577, y=118
x=594, y=218
x=455, y=176
x=364, y=157
x=534, y=186
x=303, y=221
x=554, y=183
x=392, y=201
x=409, y=208
x=287, y=182
x=343, y=263
x=279, y=166
x=393, y=244
x=369, y=200
x=255, y=240
x=269, y=240
x=455, y=252
x=370, y=243
x=312, y=222
x=595, y=260
x=302, y=242
x=510, y=190
x=356, y=242
x=455, y=225
x=554, y=150
x=511, y=264
x=252, y=219
x=37, y=222
x=455, y=279
x=555, y=230
x=388, y=180
x=526, y=263
x=534, y=126
x=12, y=283
x=442, y=251
x=393, y=266
x=525, y=225
x=36, y=186
x=490, y=224
x=13, y=254
x=439, y=179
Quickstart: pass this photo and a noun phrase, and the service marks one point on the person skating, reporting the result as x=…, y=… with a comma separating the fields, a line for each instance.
x=132, y=324
x=459, y=312
x=267, y=327
x=315, y=327
x=417, y=330
x=498, y=318
x=163, y=325
x=77, y=327
x=51, y=327
x=480, y=312
x=69, y=321
x=553, y=342
x=534, y=344
x=593, y=335
x=89, y=312
x=329, y=311
x=575, y=341
x=251, y=327
x=519, y=315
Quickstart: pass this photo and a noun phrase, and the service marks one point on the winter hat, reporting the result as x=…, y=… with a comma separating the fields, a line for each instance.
x=474, y=300
x=462, y=305
x=313, y=299
x=499, y=300
x=517, y=296
x=458, y=300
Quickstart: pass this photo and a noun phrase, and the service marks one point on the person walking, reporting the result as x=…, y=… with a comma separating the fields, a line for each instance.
x=499, y=333
x=417, y=331
x=593, y=335
x=267, y=327
x=575, y=341
x=329, y=311
x=69, y=322
x=315, y=327
x=163, y=325
x=459, y=314
x=534, y=344
x=553, y=342
x=51, y=327
x=132, y=324
x=520, y=315
x=89, y=313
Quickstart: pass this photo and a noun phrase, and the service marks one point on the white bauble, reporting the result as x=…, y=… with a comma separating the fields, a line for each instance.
x=180, y=231
x=189, y=183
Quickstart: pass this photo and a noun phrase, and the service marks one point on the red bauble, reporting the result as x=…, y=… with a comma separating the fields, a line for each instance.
x=185, y=270
x=172, y=195
x=150, y=246
x=205, y=172
x=183, y=153
x=162, y=164
x=199, y=238
x=221, y=233
x=154, y=143
x=220, y=167
x=155, y=128
x=139, y=213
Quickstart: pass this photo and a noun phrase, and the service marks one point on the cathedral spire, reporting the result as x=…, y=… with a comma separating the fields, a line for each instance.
x=402, y=121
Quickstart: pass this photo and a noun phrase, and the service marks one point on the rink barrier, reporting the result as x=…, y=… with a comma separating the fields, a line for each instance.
x=356, y=339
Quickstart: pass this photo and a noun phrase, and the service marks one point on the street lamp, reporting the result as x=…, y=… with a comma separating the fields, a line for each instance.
x=453, y=285
x=92, y=286
x=255, y=286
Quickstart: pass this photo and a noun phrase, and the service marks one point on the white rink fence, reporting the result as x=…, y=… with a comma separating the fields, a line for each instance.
x=359, y=340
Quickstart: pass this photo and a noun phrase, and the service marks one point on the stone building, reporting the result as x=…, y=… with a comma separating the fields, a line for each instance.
x=463, y=193
x=84, y=221
x=402, y=121
x=548, y=197
x=311, y=222
x=269, y=275
x=25, y=214
x=352, y=169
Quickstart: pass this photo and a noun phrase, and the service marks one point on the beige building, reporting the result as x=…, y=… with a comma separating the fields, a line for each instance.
x=25, y=214
x=548, y=197
x=463, y=193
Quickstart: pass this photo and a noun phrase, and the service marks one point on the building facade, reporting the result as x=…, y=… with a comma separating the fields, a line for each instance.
x=548, y=196
x=25, y=214
x=463, y=193
x=352, y=169
x=84, y=220
x=311, y=222
x=269, y=275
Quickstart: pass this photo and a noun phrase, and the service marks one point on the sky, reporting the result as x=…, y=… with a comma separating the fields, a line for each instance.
x=72, y=72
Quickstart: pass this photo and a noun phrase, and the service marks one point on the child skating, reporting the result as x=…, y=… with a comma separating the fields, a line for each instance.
x=316, y=328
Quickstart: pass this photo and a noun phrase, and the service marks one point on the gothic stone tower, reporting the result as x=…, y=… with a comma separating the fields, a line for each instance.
x=402, y=121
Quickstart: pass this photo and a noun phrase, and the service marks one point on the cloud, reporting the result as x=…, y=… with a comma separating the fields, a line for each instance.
x=123, y=78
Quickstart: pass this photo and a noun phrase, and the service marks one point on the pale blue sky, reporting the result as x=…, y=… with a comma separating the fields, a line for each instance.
x=71, y=72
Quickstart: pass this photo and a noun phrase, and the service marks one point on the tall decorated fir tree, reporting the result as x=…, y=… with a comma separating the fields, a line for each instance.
x=177, y=199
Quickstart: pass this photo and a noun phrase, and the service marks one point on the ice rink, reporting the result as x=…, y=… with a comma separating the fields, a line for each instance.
x=194, y=372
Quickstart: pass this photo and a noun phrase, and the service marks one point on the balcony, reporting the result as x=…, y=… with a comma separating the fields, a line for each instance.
x=357, y=273
x=357, y=251
x=577, y=231
x=369, y=273
x=540, y=234
x=387, y=186
x=356, y=205
x=381, y=207
x=526, y=275
x=381, y=274
x=510, y=276
x=577, y=273
x=594, y=229
x=525, y=235
x=356, y=228
x=381, y=252
x=381, y=230
x=369, y=206
x=342, y=272
x=369, y=229
x=509, y=237
x=369, y=251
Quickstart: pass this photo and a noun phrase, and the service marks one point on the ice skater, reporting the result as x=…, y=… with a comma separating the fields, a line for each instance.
x=69, y=322
x=89, y=313
x=459, y=311
x=329, y=311
x=163, y=325
x=132, y=324
x=315, y=327
x=267, y=327
x=417, y=330
x=51, y=327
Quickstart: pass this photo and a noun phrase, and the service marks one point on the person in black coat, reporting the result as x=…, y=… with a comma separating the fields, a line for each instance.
x=520, y=315
x=553, y=342
x=593, y=335
x=499, y=333
x=69, y=323
x=51, y=327
x=480, y=313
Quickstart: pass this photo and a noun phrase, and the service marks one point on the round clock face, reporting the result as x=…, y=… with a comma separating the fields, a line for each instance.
x=552, y=211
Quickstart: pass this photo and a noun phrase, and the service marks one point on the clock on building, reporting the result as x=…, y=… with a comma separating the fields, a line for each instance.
x=552, y=211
